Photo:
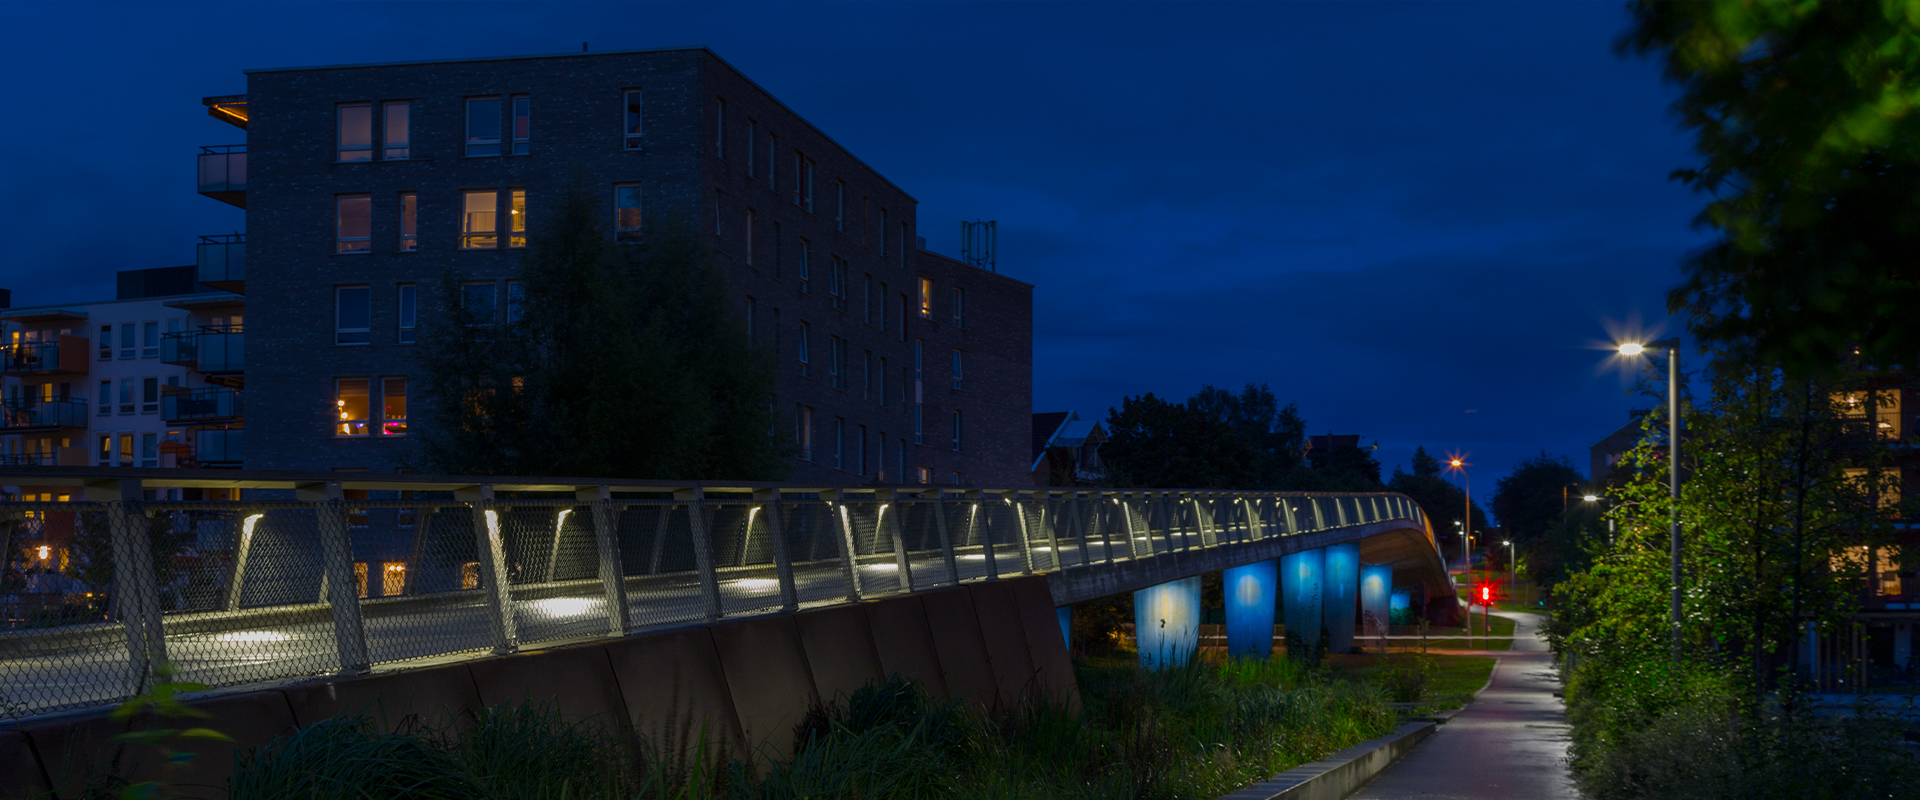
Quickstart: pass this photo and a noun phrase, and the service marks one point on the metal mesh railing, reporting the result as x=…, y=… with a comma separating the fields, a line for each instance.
x=94, y=594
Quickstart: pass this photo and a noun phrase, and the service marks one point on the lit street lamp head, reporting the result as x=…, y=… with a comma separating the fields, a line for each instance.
x=1632, y=349
x=1591, y=498
x=1456, y=462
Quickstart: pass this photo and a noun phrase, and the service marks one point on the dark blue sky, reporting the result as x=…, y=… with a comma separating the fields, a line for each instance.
x=1392, y=213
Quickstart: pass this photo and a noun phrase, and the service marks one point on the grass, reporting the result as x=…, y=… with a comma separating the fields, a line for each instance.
x=1438, y=682
x=1454, y=638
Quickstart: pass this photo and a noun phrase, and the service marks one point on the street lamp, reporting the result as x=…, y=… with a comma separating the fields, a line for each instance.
x=1672, y=345
x=1466, y=533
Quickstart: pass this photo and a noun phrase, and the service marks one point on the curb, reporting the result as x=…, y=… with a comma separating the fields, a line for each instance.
x=1340, y=774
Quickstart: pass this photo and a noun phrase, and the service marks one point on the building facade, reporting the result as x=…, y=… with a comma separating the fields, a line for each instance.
x=365, y=185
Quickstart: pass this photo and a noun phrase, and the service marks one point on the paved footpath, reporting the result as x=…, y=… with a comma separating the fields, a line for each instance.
x=1511, y=742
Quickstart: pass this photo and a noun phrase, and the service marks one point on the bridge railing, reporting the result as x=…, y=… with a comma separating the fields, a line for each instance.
x=314, y=582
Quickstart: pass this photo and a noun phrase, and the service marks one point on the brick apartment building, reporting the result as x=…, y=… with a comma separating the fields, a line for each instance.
x=365, y=184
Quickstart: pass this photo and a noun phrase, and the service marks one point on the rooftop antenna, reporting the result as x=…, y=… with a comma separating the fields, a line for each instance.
x=978, y=242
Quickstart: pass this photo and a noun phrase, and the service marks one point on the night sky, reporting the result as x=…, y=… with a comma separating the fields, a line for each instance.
x=1413, y=220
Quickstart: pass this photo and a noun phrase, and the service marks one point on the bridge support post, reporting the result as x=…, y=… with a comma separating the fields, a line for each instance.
x=696, y=502
x=1012, y=501
x=843, y=541
x=242, y=550
x=1050, y=522
x=343, y=591
x=493, y=568
x=1077, y=518
x=136, y=597
x=769, y=500
x=1301, y=576
x=890, y=523
x=1255, y=530
x=946, y=540
x=1250, y=594
x=1104, y=512
x=1166, y=623
x=1342, y=591
x=1126, y=526
x=606, y=541
x=982, y=530
x=1376, y=591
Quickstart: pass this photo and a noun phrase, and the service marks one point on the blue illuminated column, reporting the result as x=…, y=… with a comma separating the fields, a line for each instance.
x=1250, y=595
x=1166, y=622
x=1400, y=608
x=1066, y=624
x=1300, y=575
x=1376, y=587
x=1343, y=595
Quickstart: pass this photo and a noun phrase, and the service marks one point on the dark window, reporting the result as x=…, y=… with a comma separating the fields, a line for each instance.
x=483, y=126
x=480, y=302
x=522, y=123
x=356, y=132
x=409, y=302
x=352, y=316
x=396, y=126
x=353, y=224
x=409, y=222
x=626, y=212
x=631, y=129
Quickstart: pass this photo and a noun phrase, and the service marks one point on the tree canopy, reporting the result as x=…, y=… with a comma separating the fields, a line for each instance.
x=1804, y=118
x=618, y=361
x=1443, y=501
x=1220, y=439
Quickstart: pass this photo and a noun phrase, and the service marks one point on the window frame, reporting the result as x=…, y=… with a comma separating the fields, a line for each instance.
x=350, y=336
x=477, y=146
x=409, y=222
x=407, y=318
x=957, y=298
x=801, y=349
x=516, y=218
x=470, y=237
x=391, y=150
x=352, y=245
x=344, y=153
x=520, y=128
x=632, y=119
x=926, y=297
x=343, y=425
x=386, y=424
x=628, y=233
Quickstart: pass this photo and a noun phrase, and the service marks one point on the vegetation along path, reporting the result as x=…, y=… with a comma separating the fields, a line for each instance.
x=1511, y=742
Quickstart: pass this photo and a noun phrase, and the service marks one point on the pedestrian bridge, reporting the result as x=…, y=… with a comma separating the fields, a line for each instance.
x=295, y=575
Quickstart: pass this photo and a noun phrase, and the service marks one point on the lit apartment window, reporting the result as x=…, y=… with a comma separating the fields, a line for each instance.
x=106, y=342
x=630, y=128
x=393, y=406
x=126, y=449
x=516, y=302
x=803, y=431
x=483, y=126
x=396, y=129
x=409, y=302
x=409, y=222
x=150, y=339
x=925, y=475
x=149, y=449
x=959, y=307
x=104, y=455
x=352, y=315
x=105, y=402
x=356, y=132
x=956, y=369
x=753, y=135
x=840, y=205
x=517, y=218
x=750, y=226
x=522, y=123
x=149, y=395
x=805, y=331
x=127, y=347
x=958, y=430
x=720, y=129
x=804, y=268
x=926, y=298
x=626, y=212
x=839, y=443
x=479, y=302
x=353, y=228
x=351, y=407
x=479, y=230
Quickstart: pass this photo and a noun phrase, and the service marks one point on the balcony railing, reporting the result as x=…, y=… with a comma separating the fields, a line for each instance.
x=67, y=354
x=212, y=349
x=219, y=448
x=57, y=457
x=223, y=173
x=26, y=413
x=201, y=405
x=223, y=261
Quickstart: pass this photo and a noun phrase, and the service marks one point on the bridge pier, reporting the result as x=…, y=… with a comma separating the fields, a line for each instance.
x=1342, y=592
x=1250, y=593
x=1376, y=587
x=1301, y=579
x=1166, y=623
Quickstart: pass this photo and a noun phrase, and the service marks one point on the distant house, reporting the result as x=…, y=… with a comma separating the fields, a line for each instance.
x=1606, y=453
x=1066, y=450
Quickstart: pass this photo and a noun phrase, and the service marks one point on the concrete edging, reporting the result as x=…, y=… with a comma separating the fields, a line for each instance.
x=1340, y=774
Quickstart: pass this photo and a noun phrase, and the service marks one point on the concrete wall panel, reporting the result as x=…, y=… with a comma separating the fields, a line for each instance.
x=905, y=642
x=1046, y=641
x=578, y=680
x=840, y=651
x=962, y=649
x=79, y=750
x=768, y=678
x=674, y=689
x=21, y=768
x=395, y=701
x=1005, y=636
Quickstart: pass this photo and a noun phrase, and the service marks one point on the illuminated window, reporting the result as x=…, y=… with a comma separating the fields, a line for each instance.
x=517, y=218
x=409, y=301
x=126, y=449
x=925, y=475
x=393, y=580
x=470, y=575
x=626, y=212
x=351, y=407
x=631, y=128
x=396, y=129
x=356, y=132
x=522, y=123
x=393, y=406
x=352, y=315
x=479, y=302
x=104, y=455
x=409, y=222
x=479, y=230
x=959, y=307
x=353, y=230
x=926, y=298
x=360, y=577
x=483, y=126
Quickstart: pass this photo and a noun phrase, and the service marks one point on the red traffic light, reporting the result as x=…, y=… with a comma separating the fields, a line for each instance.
x=1486, y=594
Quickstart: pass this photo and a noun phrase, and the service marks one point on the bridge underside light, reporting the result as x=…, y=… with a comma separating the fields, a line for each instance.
x=754, y=584
x=252, y=636
x=558, y=607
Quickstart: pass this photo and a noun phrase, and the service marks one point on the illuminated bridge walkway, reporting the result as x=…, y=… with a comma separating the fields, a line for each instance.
x=315, y=574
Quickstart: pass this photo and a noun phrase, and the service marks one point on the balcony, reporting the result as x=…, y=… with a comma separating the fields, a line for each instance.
x=223, y=262
x=30, y=414
x=201, y=405
x=213, y=350
x=57, y=457
x=223, y=173
x=219, y=447
x=66, y=355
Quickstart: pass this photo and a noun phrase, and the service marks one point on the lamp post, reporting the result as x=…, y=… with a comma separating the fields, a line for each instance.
x=1672, y=345
x=1466, y=534
x=1513, y=570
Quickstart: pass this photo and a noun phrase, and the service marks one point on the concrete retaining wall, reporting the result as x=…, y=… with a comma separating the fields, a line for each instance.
x=744, y=682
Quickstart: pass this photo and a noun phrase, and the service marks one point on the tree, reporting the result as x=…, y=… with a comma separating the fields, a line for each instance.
x=1276, y=435
x=1804, y=118
x=1339, y=469
x=1439, y=498
x=1154, y=443
x=1533, y=498
x=618, y=361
